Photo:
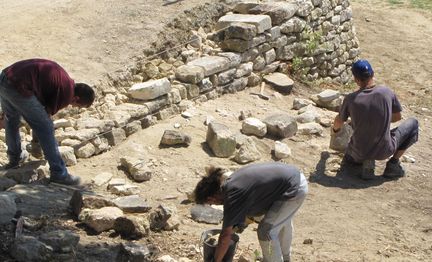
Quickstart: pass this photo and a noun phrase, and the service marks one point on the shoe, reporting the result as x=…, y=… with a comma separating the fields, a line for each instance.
x=69, y=180
x=15, y=164
x=368, y=170
x=393, y=170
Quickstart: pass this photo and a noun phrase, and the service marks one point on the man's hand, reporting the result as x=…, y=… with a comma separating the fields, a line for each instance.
x=223, y=243
x=337, y=124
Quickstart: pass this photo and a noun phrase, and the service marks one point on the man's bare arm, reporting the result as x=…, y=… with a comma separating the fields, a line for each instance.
x=337, y=123
x=223, y=243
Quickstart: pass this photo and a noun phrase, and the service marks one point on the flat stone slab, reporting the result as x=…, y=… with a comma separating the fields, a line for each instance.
x=206, y=214
x=328, y=95
x=280, y=81
x=261, y=22
x=150, y=89
x=211, y=64
x=132, y=204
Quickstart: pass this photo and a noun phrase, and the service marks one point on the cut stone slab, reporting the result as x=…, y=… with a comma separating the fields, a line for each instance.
x=85, y=151
x=328, y=95
x=278, y=11
x=254, y=126
x=281, y=125
x=240, y=31
x=102, y=219
x=64, y=241
x=280, y=81
x=132, y=204
x=190, y=74
x=281, y=150
x=133, y=252
x=134, y=110
x=102, y=178
x=81, y=200
x=91, y=122
x=175, y=138
x=150, y=89
x=220, y=139
x=125, y=190
x=206, y=214
x=28, y=248
x=116, y=182
x=137, y=168
x=261, y=22
x=7, y=209
x=211, y=64
x=132, y=227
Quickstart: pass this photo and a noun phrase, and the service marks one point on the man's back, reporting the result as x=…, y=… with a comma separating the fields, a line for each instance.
x=371, y=112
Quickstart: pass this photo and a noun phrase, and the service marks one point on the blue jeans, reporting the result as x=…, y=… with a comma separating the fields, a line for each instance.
x=14, y=105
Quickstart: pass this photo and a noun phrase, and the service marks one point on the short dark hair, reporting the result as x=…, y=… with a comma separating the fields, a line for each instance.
x=209, y=185
x=85, y=93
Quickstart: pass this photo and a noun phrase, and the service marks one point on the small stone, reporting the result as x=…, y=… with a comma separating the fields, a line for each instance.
x=328, y=95
x=132, y=204
x=281, y=150
x=116, y=182
x=125, y=190
x=206, y=214
x=308, y=241
x=102, y=178
x=166, y=258
x=175, y=138
x=100, y=219
x=187, y=114
x=408, y=159
x=133, y=252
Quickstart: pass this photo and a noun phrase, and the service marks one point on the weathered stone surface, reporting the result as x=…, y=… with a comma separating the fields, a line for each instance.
x=206, y=214
x=119, y=118
x=116, y=136
x=281, y=150
x=70, y=142
x=26, y=174
x=211, y=64
x=333, y=105
x=137, y=168
x=100, y=219
x=243, y=7
x=68, y=155
x=165, y=258
x=254, y=126
x=101, y=144
x=124, y=190
x=240, y=31
x=59, y=123
x=280, y=81
x=6, y=183
x=234, y=58
x=28, y=248
x=102, y=178
x=173, y=138
x=83, y=134
x=294, y=25
x=132, y=227
x=220, y=139
x=339, y=141
x=305, y=7
x=308, y=114
x=91, y=122
x=8, y=208
x=278, y=11
x=301, y=102
x=150, y=89
x=205, y=85
x=81, y=199
x=247, y=152
x=310, y=129
x=133, y=252
x=133, y=127
x=261, y=22
x=116, y=182
x=134, y=110
x=226, y=76
x=190, y=74
x=64, y=241
x=281, y=125
x=158, y=218
x=85, y=151
x=244, y=70
x=328, y=95
x=132, y=204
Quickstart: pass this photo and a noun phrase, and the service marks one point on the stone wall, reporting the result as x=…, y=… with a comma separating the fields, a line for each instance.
x=312, y=38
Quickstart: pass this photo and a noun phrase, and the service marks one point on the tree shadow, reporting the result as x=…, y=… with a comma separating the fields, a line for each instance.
x=343, y=179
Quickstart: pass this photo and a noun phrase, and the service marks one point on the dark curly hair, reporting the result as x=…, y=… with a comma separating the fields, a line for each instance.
x=209, y=185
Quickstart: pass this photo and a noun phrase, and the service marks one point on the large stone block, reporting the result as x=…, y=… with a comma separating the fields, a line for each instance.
x=151, y=89
x=81, y=200
x=211, y=64
x=68, y=155
x=240, y=31
x=220, y=139
x=254, y=126
x=102, y=219
x=190, y=73
x=261, y=22
x=281, y=125
x=278, y=11
x=91, y=122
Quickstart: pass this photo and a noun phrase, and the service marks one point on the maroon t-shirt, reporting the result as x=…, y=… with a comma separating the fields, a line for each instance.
x=44, y=79
x=371, y=113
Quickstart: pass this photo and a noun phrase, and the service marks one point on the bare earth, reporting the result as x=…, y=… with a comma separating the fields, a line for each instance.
x=346, y=218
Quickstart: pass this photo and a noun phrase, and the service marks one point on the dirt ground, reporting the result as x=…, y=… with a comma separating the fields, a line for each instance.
x=346, y=218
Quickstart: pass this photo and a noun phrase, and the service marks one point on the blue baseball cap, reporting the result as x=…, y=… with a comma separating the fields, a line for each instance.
x=362, y=70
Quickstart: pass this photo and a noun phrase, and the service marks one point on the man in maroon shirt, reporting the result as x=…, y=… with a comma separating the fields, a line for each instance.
x=372, y=109
x=36, y=89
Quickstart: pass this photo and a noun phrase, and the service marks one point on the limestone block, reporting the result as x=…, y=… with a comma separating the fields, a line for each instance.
x=91, y=122
x=132, y=227
x=68, y=155
x=234, y=58
x=116, y=136
x=281, y=125
x=137, y=168
x=81, y=200
x=133, y=127
x=237, y=45
x=70, y=142
x=134, y=110
x=119, y=118
x=205, y=85
x=158, y=218
x=190, y=73
x=244, y=70
x=280, y=81
x=254, y=126
x=83, y=134
x=220, y=139
x=278, y=11
x=293, y=25
x=116, y=182
x=247, y=152
x=101, y=144
x=261, y=22
x=175, y=138
x=174, y=96
x=132, y=204
x=270, y=56
x=340, y=140
x=226, y=76
x=192, y=90
x=156, y=104
x=131, y=251
x=301, y=102
x=310, y=129
x=168, y=112
x=150, y=89
x=102, y=178
x=305, y=7
x=59, y=123
x=85, y=151
x=211, y=64
x=102, y=219
x=281, y=150
x=328, y=95
x=243, y=7
x=240, y=31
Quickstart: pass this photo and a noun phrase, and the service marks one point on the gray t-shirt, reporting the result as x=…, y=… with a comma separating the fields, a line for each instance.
x=251, y=190
x=371, y=113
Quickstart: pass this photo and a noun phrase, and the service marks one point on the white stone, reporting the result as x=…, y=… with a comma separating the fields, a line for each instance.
x=211, y=64
x=150, y=89
x=281, y=150
x=102, y=178
x=125, y=190
x=100, y=219
x=261, y=22
x=328, y=95
x=310, y=129
x=301, y=102
x=68, y=155
x=254, y=126
x=62, y=123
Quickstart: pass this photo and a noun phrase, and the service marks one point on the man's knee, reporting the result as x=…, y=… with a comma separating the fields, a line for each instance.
x=264, y=231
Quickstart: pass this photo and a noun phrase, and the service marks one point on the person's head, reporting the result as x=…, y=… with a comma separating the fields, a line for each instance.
x=362, y=72
x=84, y=95
x=208, y=190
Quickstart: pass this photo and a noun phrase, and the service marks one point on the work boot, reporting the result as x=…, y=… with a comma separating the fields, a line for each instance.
x=393, y=169
x=69, y=180
x=368, y=170
x=16, y=163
